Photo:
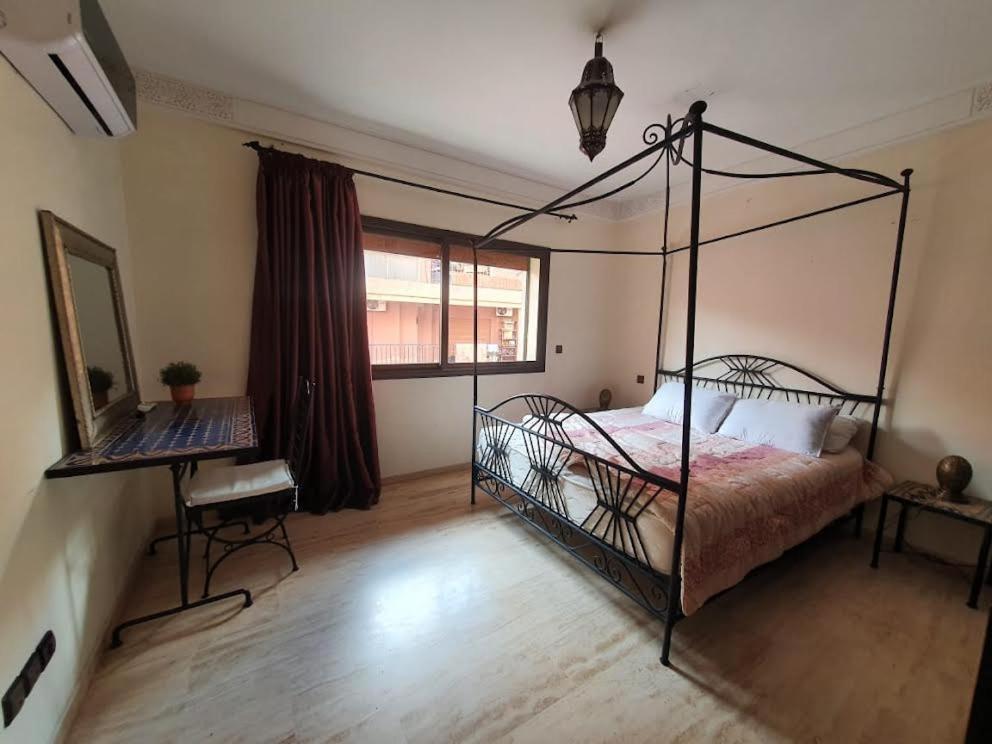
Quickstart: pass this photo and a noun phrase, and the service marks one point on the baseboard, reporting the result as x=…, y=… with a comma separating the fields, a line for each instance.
x=89, y=666
x=393, y=479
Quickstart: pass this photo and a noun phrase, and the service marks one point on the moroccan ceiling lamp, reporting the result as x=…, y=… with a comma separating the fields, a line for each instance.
x=594, y=102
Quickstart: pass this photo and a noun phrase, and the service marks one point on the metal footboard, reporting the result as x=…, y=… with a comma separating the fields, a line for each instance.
x=523, y=465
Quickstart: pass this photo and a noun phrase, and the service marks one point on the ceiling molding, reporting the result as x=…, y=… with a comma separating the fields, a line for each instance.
x=933, y=116
x=284, y=126
x=343, y=142
x=176, y=94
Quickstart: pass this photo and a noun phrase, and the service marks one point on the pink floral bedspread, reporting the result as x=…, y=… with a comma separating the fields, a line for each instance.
x=747, y=503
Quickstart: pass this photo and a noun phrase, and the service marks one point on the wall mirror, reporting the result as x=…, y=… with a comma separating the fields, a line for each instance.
x=89, y=303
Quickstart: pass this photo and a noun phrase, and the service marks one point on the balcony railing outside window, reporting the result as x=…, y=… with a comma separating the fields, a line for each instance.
x=404, y=353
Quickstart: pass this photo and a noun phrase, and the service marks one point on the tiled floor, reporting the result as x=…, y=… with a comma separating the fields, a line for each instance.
x=425, y=620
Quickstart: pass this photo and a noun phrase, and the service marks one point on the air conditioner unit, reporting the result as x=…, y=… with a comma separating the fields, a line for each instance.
x=376, y=306
x=67, y=52
x=504, y=312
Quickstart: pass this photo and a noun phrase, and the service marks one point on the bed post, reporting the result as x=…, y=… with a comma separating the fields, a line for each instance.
x=675, y=590
x=886, y=338
x=475, y=359
x=859, y=512
x=664, y=264
x=661, y=320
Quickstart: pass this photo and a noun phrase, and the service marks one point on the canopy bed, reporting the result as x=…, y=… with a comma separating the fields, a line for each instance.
x=667, y=514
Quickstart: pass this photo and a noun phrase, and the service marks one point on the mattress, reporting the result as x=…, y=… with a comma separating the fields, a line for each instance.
x=746, y=504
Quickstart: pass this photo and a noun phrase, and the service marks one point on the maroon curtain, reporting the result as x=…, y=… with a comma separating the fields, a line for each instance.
x=308, y=319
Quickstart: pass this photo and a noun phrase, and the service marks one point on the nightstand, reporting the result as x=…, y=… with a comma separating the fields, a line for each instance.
x=910, y=494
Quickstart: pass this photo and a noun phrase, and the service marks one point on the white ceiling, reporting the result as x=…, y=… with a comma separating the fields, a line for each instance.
x=488, y=82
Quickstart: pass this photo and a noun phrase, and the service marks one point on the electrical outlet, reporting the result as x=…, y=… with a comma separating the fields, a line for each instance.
x=640, y=379
x=558, y=349
x=20, y=688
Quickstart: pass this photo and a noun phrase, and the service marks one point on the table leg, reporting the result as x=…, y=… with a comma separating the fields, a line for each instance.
x=901, y=527
x=183, y=535
x=182, y=529
x=983, y=559
x=879, y=530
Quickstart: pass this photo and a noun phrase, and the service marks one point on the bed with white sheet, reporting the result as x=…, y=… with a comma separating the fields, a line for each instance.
x=748, y=502
x=674, y=516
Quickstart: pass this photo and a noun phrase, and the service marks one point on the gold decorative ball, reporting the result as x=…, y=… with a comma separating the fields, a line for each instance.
x=953, y=474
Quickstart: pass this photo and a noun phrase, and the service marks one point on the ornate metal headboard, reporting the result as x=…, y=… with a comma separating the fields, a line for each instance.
x=749, y=376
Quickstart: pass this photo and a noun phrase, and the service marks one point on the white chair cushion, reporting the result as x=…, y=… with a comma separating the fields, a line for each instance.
x=218, y=485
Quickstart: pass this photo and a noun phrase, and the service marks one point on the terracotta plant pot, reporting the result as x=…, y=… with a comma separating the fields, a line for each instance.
x=183, y=393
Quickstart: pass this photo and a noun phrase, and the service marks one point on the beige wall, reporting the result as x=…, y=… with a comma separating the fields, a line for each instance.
x=66, y=546
x=812, y=292
x=815, y=293
x=190, y=190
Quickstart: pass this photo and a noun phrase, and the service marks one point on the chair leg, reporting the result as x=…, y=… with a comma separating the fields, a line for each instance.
x=211, y=569
x=289, y=547
x=206, y=555
x=211, y=537
x=267, y=536
x=153, y=545
x=264, y=538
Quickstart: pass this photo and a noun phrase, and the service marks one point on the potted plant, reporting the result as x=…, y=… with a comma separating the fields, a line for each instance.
x=181, y=377
x=101, y=380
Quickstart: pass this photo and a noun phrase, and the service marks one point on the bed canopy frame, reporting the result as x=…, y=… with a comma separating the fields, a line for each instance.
x=623, y=488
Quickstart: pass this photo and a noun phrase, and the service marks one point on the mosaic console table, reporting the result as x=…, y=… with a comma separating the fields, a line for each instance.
x=178, y=436
x=910, y=494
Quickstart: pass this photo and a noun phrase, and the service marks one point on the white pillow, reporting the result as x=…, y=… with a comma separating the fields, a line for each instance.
x=789, y=426
x=842, y=430
x=709, y=407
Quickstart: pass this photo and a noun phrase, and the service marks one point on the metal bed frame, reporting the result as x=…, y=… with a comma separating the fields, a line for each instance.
x=623, y=488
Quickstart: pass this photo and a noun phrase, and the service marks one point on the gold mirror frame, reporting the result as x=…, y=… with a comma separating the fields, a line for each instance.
x=62, y=240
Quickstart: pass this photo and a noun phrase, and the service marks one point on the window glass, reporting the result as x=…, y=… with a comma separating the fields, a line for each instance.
x=419, y=326
x=508, y=287
x=403, y=305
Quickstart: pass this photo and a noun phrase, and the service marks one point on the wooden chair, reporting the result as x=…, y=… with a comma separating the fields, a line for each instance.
x=271, y=485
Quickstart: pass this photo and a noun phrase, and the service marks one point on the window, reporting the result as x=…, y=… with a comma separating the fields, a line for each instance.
x=403, y=300
x=419, y=303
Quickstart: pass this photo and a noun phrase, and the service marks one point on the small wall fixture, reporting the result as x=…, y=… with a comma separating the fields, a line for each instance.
x=594, y=102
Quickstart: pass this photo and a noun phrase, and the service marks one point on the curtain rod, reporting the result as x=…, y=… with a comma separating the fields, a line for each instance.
x=258, y=147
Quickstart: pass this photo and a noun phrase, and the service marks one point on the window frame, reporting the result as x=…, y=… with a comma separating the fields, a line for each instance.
x=445, y=239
